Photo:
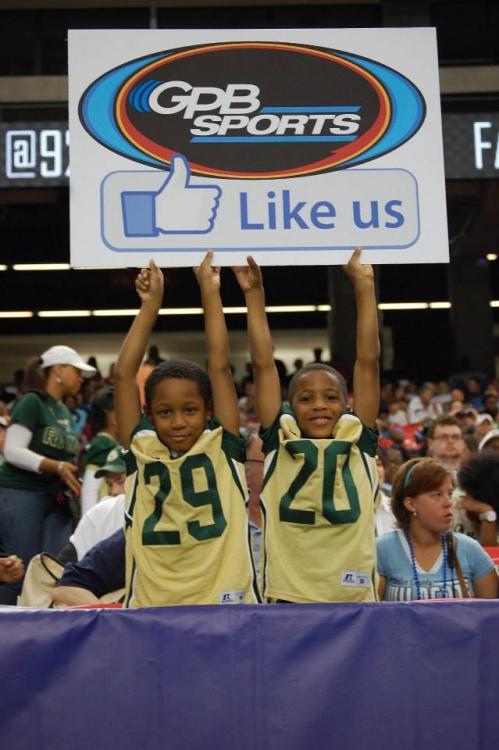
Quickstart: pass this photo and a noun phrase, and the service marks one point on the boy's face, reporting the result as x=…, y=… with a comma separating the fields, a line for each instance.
x=115, y=483
x=318, y=403
x=178, y=413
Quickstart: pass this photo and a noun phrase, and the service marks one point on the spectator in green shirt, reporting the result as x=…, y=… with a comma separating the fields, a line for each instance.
x=40, y=460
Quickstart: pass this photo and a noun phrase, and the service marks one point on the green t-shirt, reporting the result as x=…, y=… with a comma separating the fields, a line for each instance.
x=53, y=436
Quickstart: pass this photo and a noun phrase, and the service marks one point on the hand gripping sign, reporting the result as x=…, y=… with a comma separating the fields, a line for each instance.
x=147, y=214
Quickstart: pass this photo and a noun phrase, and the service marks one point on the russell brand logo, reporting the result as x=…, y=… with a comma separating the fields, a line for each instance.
x=246, y=110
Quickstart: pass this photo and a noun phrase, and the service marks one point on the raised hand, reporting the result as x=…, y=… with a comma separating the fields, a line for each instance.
x=249, y=277
x=149, y=284
x=208, y=276
x=356, y=271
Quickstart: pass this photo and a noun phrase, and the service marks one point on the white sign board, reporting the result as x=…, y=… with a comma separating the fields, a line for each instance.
x=292, y=145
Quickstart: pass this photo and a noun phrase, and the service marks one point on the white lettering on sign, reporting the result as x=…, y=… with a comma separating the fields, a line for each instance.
x=34, y=153
x=485, y=142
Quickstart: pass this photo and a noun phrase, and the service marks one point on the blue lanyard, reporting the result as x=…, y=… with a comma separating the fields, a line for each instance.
x=445, y=556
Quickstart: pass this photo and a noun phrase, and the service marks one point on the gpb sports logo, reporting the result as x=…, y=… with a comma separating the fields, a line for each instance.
x=253, y=109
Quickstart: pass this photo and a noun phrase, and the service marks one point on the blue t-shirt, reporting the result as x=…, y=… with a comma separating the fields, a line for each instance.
x=394, y=563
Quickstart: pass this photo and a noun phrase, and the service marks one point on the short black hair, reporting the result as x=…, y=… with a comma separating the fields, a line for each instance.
x=318, y=366
x=178, y=368
x=479, y=478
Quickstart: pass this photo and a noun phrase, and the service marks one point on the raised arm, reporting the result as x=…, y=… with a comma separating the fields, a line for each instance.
x=267, y=384
x=149, y=286
x=366, y=370
x=217, y=343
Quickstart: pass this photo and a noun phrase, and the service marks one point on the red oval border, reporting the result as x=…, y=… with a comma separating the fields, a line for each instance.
x=366, y=141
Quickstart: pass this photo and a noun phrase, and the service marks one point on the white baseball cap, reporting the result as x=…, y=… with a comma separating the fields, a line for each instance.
x=64, y=355
x=481, y=418
x=491, y=434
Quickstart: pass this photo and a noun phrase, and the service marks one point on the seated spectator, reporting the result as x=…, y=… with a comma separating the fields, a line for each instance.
x=113, y=472
x=384, y=519
x=424, y=407
x=422, y=559
x=466, y=416
x=99, y=522
x=100, y=572
x=474, y=392
x=442, y=394
x=400, y=392
x=388, y=433
x=411, y=389
x=394, y=459
x=483, y=424
x=490, y=442
x=479, y=482
x=455, y=406
x=397, y=413
x=104, y=438
x=457, y=394
x=490, y=402
x=105, y=517
x=446, y=443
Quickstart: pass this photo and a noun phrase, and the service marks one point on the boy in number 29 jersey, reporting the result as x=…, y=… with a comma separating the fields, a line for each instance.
x=187, y=538
x=187, y=528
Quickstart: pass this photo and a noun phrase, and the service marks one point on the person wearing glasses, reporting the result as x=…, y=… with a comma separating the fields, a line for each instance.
x=446, y=443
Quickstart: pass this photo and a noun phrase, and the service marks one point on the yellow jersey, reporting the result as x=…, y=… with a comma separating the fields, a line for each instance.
x=318, y=498
x=187, y=535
